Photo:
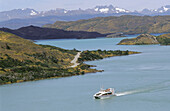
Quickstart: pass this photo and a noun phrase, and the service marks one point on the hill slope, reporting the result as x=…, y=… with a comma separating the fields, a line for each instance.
x=22, y=60
x=127, y=24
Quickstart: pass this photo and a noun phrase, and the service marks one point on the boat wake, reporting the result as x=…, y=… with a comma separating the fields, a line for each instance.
x=155, y=87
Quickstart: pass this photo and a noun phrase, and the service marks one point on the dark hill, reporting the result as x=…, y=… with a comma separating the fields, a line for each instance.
x=35, y=33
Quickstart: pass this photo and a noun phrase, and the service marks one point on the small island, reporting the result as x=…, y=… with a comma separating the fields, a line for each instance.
x=115, y=35
x=147, y=39
x=22, y=60
x=143, y=39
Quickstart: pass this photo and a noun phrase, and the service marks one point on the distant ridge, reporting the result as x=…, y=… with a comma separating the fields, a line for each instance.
x=36, y=33
x=126, y=24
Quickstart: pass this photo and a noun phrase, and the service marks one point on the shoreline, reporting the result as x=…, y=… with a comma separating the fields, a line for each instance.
x=57, y=77
x=88, y=71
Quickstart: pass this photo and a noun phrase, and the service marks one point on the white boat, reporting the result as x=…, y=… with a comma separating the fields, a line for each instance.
x=104, y=93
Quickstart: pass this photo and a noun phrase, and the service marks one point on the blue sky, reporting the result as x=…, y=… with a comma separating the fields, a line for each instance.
x=42, y=5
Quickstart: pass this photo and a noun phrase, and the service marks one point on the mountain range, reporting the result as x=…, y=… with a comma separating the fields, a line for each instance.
x=23, y=17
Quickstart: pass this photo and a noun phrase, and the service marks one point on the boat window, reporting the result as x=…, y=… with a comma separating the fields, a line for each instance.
x=98, y=94
x=104, y=94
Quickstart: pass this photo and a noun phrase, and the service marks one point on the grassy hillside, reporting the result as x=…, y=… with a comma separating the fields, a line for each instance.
x=164, y=39
x=127, y=24
x=22, y=60
x=12, y=46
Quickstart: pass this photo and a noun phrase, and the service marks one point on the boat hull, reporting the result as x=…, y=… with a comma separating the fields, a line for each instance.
x=103, y=97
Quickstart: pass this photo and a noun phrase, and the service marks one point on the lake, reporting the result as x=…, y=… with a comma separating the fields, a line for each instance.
x=142, y=82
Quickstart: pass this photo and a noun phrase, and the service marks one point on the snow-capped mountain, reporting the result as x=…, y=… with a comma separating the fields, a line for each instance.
x=97, y=10
x=30, y=13
x=110, y=9
x=160, y=11
x=57, y=11
x=100, y=10
x=163, y=9
x=18, y=13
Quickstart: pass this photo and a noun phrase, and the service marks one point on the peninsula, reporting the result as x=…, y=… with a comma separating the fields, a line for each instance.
x=22, y=60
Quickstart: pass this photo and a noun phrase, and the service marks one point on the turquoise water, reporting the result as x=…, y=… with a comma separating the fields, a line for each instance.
x=142, y=82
